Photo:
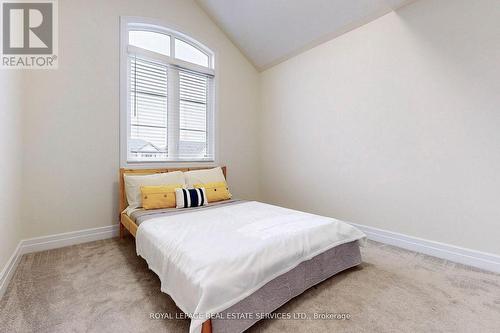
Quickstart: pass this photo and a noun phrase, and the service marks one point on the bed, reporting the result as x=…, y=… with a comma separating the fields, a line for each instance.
x=237, y=257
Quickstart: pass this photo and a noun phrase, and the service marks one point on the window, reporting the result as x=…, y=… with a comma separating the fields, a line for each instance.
x=167, y=96
x=152, y=41
x=187, y=52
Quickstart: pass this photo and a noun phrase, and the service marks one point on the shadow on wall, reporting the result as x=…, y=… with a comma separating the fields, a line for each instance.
x=460, y=42
x=460, y=36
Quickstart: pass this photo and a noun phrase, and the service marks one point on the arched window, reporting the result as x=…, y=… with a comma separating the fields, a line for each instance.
x=167, y=98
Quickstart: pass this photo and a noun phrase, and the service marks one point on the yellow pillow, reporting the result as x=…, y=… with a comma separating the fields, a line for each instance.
x=215, y=191
x=155, y=197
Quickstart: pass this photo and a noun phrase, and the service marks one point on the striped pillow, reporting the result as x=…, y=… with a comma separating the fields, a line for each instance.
x=186, y=198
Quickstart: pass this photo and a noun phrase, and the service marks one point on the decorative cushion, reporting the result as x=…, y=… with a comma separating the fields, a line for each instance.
x=193, y=197
x=215, y=191
x=156, y=197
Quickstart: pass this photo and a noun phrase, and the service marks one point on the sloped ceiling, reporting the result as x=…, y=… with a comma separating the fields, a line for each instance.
x=270, y=31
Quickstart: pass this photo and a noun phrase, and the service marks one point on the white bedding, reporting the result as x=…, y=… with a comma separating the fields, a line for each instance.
x=209, y=260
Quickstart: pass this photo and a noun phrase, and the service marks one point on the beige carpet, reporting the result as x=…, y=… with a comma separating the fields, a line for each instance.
x=104, y=287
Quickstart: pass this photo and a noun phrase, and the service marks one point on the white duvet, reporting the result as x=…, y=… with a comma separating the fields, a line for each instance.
x=211, y=259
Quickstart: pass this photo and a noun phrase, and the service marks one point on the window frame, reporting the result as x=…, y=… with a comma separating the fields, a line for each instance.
x=138, y=23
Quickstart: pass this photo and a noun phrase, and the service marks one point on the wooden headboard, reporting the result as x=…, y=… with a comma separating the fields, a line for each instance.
x=123, y=196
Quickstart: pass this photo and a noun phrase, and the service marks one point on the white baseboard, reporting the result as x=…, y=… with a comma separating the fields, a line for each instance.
x=9, y=269
x=67, y=239
x=482, y=260
x=52, y=242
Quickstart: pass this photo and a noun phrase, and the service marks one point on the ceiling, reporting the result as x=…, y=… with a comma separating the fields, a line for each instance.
x=271, y=31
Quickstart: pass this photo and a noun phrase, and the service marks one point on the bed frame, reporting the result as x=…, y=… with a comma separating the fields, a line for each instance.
x=126, y=222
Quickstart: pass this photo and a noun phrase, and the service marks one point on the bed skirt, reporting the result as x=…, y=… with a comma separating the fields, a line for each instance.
x=287, y=286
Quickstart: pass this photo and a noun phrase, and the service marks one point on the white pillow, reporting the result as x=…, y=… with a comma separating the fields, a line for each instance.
x=133, y=184
x=204, y=176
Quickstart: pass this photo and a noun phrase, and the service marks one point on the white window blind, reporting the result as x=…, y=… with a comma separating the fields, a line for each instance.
x=148, y=105
x=170, y=103
x=193, y=115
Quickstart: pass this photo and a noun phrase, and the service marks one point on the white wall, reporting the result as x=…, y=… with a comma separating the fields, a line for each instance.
x=394, y=125
x=10, y=162
x=71, y=140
